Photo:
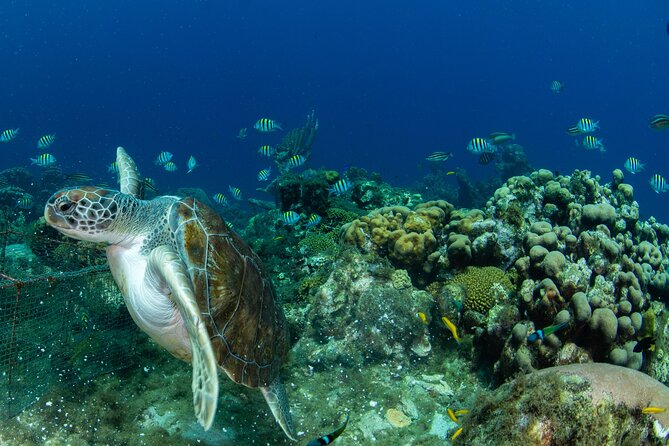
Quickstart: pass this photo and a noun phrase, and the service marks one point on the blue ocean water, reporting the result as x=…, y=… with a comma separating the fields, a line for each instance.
x=390, y=83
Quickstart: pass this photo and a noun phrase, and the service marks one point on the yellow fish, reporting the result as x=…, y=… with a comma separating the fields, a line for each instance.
x=451, y=326
x=456, y=434
x=450, y=172
x=651, y=410
x=422, y=317
x=451, y=415
x=461, y=412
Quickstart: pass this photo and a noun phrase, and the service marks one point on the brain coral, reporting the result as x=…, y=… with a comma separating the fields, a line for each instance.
x=484, y=287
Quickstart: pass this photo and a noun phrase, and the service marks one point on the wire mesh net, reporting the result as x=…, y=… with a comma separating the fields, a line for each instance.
x=62, y=319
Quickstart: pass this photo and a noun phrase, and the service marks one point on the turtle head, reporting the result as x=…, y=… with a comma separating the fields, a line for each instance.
x=83, y=213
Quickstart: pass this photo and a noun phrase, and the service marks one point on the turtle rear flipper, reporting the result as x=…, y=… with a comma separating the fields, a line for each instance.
x=166, y=264
x=276, y=398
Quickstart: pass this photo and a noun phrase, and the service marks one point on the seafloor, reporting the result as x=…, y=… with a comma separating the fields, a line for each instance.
x=369, y=295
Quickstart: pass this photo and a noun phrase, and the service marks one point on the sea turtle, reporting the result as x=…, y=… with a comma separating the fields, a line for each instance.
x=189, y=282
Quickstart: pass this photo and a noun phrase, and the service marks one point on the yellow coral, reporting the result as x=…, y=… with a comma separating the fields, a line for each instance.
x=484, y=287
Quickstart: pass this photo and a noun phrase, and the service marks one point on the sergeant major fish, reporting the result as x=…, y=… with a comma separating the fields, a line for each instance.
x=658, y=183
x=340, y=187
x=44, y=160
x=296, y=160
x=591, y=143
x=266, y=125
x=45, y=141
x=557, y=86
x=8, y=135
x=480, y=145
x=163, y=157
x=264, y=174
x=633, y=165
x=170, y=166
x=290, y=217
x=236, y=192
x=587, y=125
x=314, y=220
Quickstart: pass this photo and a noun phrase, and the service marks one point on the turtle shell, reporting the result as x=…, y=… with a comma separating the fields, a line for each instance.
x=234, y=293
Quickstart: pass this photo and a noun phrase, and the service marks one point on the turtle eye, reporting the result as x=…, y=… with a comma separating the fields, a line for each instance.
x=65, y=206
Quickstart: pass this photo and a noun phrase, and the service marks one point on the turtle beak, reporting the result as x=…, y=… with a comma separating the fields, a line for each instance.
x=53, y=218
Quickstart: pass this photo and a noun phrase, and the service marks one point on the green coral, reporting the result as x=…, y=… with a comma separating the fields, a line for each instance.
x=319, y=243
x=484, y=287
x=338, y=216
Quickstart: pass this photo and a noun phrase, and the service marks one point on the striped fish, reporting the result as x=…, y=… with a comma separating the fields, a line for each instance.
x=480, y=145
x=266, y=125
x=264, y=174
x=659, y=122
x=78, y=177
x=592, y=143
x=220, y=198
x=46, y=141
x=150, y=184
x=557, y=86
x=633, y=165
x=587, y=125
x=296, y=160
x=290, y=217
x=44, y=160
x=163, y=158
x=658, y=183
x=340, y=187
x=236, y=192
x=439, y=156
x=8, y=135
x=314, y=220
x=486, y=157
x=113, y=167
x=574, y=131
x=229, y=225
x=24, y=202
x=170, y=166
x=266, y=150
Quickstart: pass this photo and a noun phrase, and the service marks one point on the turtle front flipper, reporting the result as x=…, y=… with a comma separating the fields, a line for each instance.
x=166, y=264
x=276, y=398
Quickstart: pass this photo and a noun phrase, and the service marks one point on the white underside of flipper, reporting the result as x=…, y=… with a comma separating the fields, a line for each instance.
x=166, y=263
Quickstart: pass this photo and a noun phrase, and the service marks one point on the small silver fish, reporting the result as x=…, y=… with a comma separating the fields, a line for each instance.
x=557, y=86
x=439, y=156
x=192, y=164
x=242, y=133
